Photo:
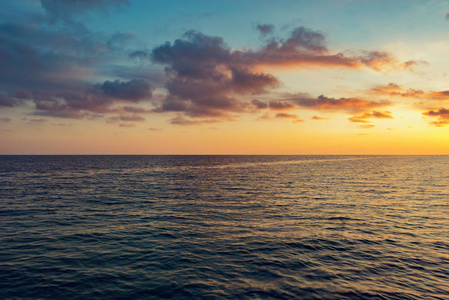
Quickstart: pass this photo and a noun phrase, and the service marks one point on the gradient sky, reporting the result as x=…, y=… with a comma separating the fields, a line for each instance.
x=224, y=77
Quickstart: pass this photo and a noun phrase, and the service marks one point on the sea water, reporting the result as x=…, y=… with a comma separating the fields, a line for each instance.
x=217, y=227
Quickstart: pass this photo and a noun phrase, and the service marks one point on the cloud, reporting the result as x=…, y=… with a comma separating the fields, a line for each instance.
x=55, y=109
x=364, y=118
x=182, y=121
x=296, y=118
x=331, y=104
x=203, y=81
x=127, y=125
x=5, y=119
x=51, y=66
x=126, y=118
x=133, y=90
x=306, y=47
x=442, y=114
x=99, y=99
x=259, y=104
x=208, y=78
x=265, y=29
x=264, y=117
x=6, y=101
x=447, y=16
x=281, y=105
x=410, y=64
x=319, y=118
x=36, y=121
x=133, y=109
x=395, y=90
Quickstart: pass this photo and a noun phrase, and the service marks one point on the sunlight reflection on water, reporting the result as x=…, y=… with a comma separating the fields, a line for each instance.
x=310, y=227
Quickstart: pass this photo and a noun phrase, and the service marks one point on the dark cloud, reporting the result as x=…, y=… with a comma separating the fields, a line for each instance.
x=133, y=109
x=286, y=115
x=281, y=105
x=139, y=54
x=265, y=29
x=21, y=94
x=6, y=101
x=66, y=10
x=203, y=80
x=50, y=66
x=133, y=90
x=126, y=118
x=55, y=109
x=442, y=114
x=364, y=118
x=99, y=99
x=5, y=119
x=259, y=104
x=331, y=104
x=133, y=118
x=206, y=77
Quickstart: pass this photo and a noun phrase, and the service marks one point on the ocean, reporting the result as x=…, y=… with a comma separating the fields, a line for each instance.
x=224, y=227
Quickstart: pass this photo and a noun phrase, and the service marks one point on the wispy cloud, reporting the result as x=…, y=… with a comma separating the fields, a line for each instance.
x=183, y=121
x=294, y=117
x=265, y=29
x=319, y=118
x=335, y=104
x=365, y=117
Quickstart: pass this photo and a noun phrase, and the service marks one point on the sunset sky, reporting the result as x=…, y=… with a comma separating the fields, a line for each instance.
x=224, y=77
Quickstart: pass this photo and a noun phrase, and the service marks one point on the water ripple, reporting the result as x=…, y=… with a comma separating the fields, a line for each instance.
x=224, y=227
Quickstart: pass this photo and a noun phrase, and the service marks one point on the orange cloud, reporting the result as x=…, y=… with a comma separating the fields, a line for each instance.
x=364, y=118
x=296, y=118
x=264, y=117
x=442, y=114
x=319, y=118
x=395, y=90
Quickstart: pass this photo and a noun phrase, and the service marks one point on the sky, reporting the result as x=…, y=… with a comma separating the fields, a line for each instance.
x=224, y=77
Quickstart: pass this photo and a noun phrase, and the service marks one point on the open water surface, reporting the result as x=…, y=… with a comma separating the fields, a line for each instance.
x=217, y=227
